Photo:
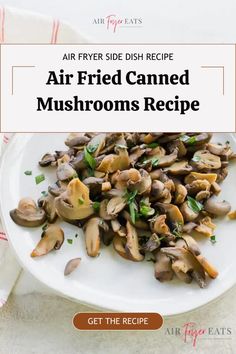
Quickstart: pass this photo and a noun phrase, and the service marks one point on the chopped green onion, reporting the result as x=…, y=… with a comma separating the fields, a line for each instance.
x=154, y=161
x=130, y=196
x=213, y=239
x=92, y=148
x=196, y=158
x=44, y=227
x=89, y=159
x=96, y=206
x=39, y=179
x=152, y=145
x=194, y=205
x=81, y=201
x=132, y=212
x=44, y=193
x=190, y=140
x=70, y=241
x=28, y=173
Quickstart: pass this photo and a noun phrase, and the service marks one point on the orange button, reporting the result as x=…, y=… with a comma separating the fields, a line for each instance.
x=117, y=321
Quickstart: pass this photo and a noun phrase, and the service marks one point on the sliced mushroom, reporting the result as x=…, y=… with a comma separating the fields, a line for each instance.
x=52, y=239
x=206, y=227
x=179, y=269
x=188, y=242
x=173, y=213
x=92, y=235
x=162, y=268
x=103, y=210
x=112, y=163
x=193, y=176
x=71, y=266
x=47, y=159
x=204, y=160
x=74, y=203
x=187, y=212
x=224, y=151
x=202, y=195
x=168, y=160
x=197, y=186
x=179, y=168
x=180, y=194
x=190, y=263
x=94, y=184
x=158, y=225
x=28, y=214
x=119, y=245
x=76, y=139
x=48, y=204
x=115, y=205
x=232, y=215
x=132, y=245
x=96, y=144
x=209, y=268
x=182, y=151
x=144, y=185
x=65, y=172
x=157, y=190
x=152, y=244
x=217, y=208
x=215, y=188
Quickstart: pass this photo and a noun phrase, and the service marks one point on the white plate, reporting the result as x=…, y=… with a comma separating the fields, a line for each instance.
x=107, y=282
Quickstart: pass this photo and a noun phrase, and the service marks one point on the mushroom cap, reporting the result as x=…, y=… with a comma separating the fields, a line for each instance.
x=217, y=208
x=28, y=214
x=132, y=245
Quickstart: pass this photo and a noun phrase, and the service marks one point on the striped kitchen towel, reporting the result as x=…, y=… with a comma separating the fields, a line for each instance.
x=24, y=27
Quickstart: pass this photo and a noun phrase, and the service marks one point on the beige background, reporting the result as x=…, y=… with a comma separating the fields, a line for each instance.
x=36, y=323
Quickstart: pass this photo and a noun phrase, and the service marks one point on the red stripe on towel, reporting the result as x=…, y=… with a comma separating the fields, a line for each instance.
x=2, y=24
x=55, y=28
x=2, y=302
x=3, y=236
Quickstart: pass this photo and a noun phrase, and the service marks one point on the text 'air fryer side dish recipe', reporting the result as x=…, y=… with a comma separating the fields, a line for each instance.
x=147, y=194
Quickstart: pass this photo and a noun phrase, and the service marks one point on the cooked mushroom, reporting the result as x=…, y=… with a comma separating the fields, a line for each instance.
x=188, y=213
x=206, y=227
x=232, y=215
x=172, y=211
x=180, y=194
x=65, y=172
x=71, y=266
x=96, y=144
x=217, y=208
x=188, y=242
x=132, y=245
x=152, y=244
x=92, y=235
x=162, y=267
x=47, y=159
x=209, y=268
x=28, y=214
x=76, y=139
x=204, y=160
x=74, y=203
x=119, y=245
x=189, y=263
x=47, y=202
x=179, y=168
x=52, y=239
x=158, y=225
x=115, y=205
x=193, y=176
